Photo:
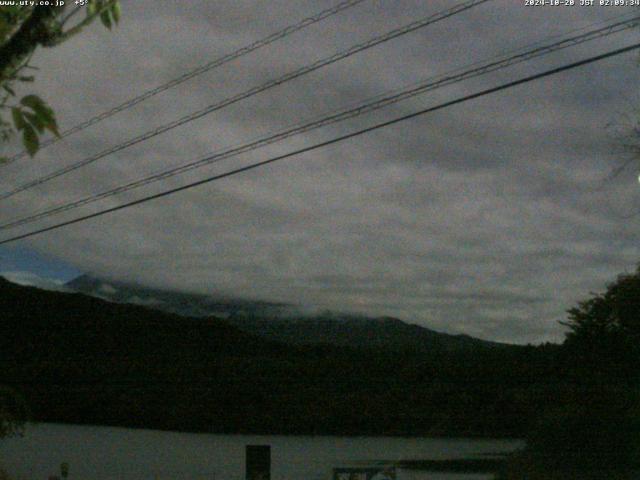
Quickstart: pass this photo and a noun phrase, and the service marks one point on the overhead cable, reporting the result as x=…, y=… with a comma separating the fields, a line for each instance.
x=365, y=107
x=285, y=32
x=341, y=138
x=411, y=27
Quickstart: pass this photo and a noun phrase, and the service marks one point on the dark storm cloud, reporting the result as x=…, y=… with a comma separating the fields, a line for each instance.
x=488, y=218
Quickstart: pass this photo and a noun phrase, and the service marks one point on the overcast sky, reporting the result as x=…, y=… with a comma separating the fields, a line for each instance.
x=489, y=218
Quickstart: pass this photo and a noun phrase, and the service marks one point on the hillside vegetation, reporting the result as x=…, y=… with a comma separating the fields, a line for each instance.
x=80, y=359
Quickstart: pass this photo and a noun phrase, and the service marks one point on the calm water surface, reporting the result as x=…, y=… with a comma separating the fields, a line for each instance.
x=106, y=453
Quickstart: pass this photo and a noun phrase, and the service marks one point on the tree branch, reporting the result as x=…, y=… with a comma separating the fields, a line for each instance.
x=14, y=23
x=64, y=36
x=40, y=28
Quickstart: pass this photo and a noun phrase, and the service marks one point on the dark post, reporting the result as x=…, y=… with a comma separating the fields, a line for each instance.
x=258, y=462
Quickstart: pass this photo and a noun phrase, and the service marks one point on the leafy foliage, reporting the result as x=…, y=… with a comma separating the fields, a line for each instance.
x=22, y=30
x=591, y=425
x=603, y=344
x=109, y=12
x=614, y=314
x=32, y=116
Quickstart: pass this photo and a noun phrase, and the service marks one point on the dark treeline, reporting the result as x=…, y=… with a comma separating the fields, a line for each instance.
x=79, y=359
x=590, y=427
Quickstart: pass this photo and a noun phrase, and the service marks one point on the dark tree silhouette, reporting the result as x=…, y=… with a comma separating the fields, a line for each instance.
x=590, y=428
x=605, y=331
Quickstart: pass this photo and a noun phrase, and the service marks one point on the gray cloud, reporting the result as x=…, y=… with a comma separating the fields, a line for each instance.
x=487, y=218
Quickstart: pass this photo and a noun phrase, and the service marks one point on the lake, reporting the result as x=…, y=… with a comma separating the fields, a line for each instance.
x=106, y=453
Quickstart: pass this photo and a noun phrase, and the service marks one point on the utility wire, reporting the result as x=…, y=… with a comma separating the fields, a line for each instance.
x=411, y=27
x=285, y=32
x=366, y=107
x=316, y=146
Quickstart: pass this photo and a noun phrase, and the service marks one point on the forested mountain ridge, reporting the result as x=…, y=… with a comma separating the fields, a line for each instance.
x=282, y=322
x=356, y=331
x=80, y=359
x=181, y=303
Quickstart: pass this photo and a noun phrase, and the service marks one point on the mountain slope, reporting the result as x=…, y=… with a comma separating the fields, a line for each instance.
x=187, y=304
x=355, y=331
x=79, y=359
x=282, y=322
x=38, y=324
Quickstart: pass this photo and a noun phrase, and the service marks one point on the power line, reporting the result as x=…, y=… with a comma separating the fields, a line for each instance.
x=306, y=22
x=366, y=107
x=411, y=27
x=378, y=126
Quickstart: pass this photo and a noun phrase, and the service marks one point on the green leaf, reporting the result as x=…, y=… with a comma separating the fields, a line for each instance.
x=42, y=117
x=115, y=12
x=9, y=90
x=46, y=115
x=41, y=109
x=18, y=118
x=30, y=140
x=33, y=102
x=36, y=121
x=29, y=78
x=53, y=128
x=91, y=8
x=105, y=18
